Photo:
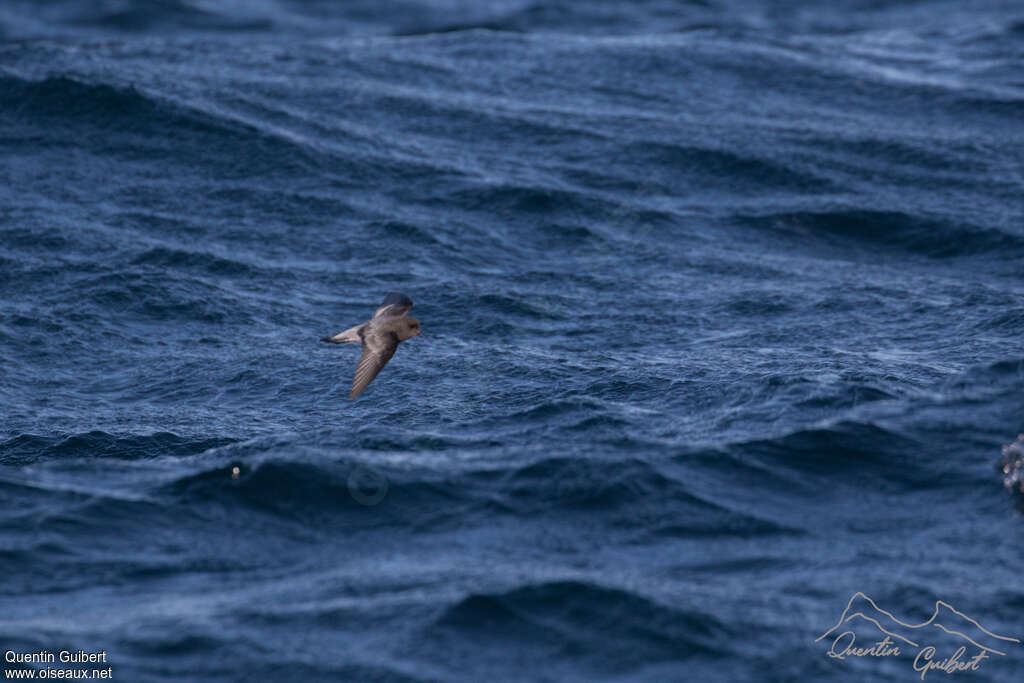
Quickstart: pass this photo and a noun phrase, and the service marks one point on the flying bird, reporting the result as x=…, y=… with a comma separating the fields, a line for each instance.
x=379, y=336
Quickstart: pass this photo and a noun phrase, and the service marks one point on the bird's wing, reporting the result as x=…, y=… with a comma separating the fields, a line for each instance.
x=395, y=304
x=377, y=351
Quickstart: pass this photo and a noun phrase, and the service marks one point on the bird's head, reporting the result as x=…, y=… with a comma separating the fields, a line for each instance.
x=410, y=329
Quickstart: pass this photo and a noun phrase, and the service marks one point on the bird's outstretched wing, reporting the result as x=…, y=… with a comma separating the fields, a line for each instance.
x=377, y=351
x=395, y=304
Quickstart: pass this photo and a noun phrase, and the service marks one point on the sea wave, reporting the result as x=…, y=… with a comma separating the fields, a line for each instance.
x=932, y=237
x=26, y=449
x=635, y=630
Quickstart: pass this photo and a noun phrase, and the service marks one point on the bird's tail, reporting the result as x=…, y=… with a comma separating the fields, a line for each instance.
x=350, y=335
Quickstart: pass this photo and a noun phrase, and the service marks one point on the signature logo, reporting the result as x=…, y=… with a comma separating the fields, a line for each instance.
x=896, y=638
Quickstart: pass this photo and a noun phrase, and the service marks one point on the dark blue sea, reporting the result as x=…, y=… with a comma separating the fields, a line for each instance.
x=723, y=334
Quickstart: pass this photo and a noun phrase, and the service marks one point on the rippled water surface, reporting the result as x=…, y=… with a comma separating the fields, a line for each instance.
x=722, y=309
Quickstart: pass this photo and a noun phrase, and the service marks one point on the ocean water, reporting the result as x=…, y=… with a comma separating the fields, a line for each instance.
x=722, y=308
